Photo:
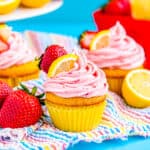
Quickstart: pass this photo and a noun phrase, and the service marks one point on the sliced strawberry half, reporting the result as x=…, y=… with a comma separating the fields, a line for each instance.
x=85, y=38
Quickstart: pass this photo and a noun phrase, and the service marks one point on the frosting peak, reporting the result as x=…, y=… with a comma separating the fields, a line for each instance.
x=117, y=32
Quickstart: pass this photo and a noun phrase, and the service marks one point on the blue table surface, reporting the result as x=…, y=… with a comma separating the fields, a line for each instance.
x=72, y=19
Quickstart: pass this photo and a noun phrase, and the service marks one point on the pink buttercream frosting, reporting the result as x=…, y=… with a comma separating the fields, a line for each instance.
x=18, y=52
x=84, y=80
x=123, y=52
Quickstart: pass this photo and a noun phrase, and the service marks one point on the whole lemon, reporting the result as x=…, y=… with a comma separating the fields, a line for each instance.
x=34, y=3
x=136, y=88
x=8, y=6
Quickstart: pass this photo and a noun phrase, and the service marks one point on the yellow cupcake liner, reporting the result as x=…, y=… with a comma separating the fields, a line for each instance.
x=9, y=81
x=26, y=78
x=16, y=80
x=115, y=84
x=76, y=119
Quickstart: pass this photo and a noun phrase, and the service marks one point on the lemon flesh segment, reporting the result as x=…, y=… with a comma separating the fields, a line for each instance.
x=62, y=64
x=136, y=88
x=34, y=3
x=100, y=40
x=8, y=6
x=141, y=83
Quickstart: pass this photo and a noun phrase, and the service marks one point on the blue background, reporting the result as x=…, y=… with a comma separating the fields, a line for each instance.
x=73, y=18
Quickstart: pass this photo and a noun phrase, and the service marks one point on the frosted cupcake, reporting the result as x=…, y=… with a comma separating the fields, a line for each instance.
x=76, y=99
x=17, y=60
x=122, y=55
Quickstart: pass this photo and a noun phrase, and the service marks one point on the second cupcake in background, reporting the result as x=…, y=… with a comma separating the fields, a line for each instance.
x=17, y=60
x=76, y=91
x=120, y=55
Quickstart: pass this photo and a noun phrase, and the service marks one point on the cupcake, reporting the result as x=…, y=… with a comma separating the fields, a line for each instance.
x=17, y=60
x=121, y=55
x=76, y=99
x=139, y=29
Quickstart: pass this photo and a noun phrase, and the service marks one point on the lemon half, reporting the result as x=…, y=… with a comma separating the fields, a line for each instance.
x=7, y=6
x=136, y=88
x=34, y=3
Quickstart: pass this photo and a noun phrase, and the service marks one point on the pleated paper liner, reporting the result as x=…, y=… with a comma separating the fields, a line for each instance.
x=76, y=118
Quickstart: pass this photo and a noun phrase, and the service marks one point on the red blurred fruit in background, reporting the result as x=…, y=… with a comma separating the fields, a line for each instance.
x=121, y=7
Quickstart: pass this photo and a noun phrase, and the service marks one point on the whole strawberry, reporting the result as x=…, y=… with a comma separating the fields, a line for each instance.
x=52, y=52
x=20, y=109
x=5, y=90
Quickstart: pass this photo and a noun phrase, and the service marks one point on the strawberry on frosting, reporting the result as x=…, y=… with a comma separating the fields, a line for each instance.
x=17, y=53
x=123, y=51
x=84, y=80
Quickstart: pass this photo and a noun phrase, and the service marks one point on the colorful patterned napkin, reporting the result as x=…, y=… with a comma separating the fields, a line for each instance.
x=119, y=120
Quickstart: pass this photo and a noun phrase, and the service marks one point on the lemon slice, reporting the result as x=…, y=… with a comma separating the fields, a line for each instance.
x=136, y=88
x=62, y=64
x=5, y=32
x=6, y=6
x=3, y=25
x=34, y=3
x=100, y=40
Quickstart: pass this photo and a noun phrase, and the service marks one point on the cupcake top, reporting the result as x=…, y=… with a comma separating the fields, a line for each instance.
x=17, y=52
x=84, y=80
x=122, y=52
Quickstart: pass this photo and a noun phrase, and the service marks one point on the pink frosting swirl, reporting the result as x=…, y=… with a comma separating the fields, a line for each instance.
x=84, y=80
x=18, y=52
x=122, y=52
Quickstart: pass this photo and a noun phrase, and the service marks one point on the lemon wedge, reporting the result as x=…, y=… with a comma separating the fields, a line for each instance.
x=3, y=25
x=62, y=64
x=34, y=3
x=5, y=32
x=136, y=88
x=7, y=6
x=100, y=40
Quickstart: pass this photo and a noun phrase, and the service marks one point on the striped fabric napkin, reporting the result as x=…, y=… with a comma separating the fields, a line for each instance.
x=119, y=120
